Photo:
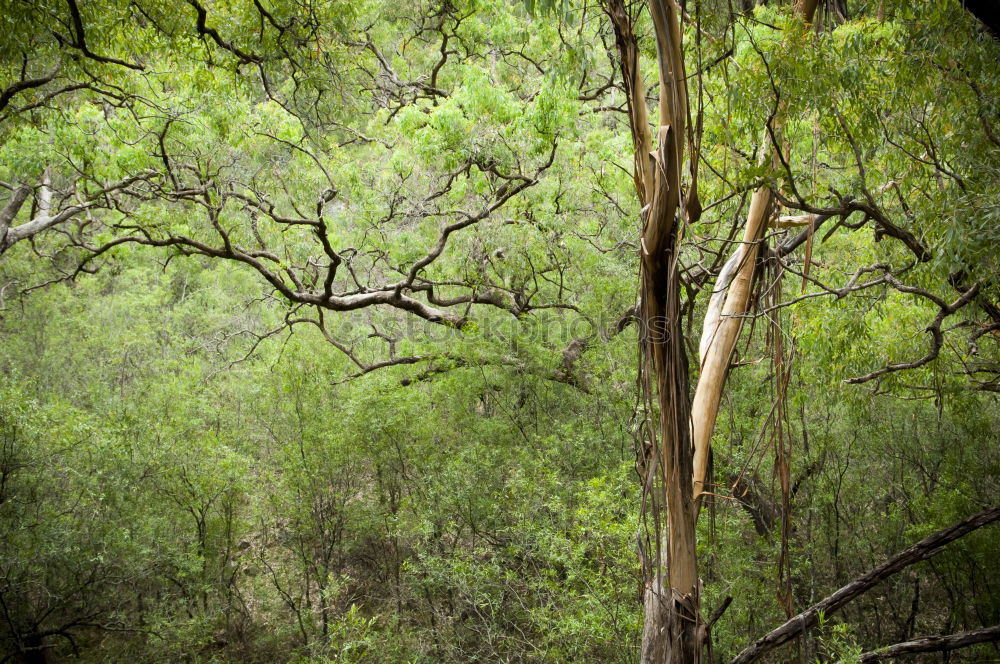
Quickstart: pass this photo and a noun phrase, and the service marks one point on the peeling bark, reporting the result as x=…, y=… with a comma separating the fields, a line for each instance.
x=672, y=624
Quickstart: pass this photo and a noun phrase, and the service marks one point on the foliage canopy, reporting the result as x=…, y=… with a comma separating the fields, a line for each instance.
x=319, y=343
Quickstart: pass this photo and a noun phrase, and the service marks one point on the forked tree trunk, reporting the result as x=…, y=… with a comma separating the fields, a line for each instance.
x=679, y=442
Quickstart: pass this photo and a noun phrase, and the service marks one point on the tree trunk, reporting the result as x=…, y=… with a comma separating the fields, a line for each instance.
x=672, y=627
x=677, y=447
x=723, y=322
x=721, y=330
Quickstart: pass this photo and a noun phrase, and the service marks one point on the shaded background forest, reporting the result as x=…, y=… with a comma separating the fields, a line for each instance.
x=214, y=448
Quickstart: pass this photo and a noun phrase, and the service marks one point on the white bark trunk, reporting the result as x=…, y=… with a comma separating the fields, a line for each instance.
x=720, y=333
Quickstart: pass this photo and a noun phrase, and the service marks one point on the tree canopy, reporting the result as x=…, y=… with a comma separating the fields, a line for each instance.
x=319, y=327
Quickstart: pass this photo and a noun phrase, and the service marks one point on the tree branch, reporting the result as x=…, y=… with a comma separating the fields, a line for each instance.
x=937, y=336
x=925, y=548
x=203, y=29
x=938, y=643
x=25, y=84
x=80, y=40
x=10, y=211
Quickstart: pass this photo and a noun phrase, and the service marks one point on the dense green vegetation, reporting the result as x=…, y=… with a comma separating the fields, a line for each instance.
x=318, y=338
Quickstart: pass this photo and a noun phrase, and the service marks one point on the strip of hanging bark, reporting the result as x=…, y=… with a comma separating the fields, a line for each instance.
x=925, y=548
x=810, y=231
x=635, y=92
x=793, y=243
x=940, y=643
x=671, y=630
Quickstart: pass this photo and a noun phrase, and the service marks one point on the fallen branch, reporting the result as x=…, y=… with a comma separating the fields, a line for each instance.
x=925, y=548
x=939, y=643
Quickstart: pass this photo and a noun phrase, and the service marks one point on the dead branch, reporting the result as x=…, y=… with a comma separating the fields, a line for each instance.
x=939, y=643
x=925, y=548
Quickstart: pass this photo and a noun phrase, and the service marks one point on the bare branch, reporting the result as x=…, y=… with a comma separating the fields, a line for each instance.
x=925, y=548
x=939, y=643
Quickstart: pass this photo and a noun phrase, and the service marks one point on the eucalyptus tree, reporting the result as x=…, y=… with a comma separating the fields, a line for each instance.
x=679, y=435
